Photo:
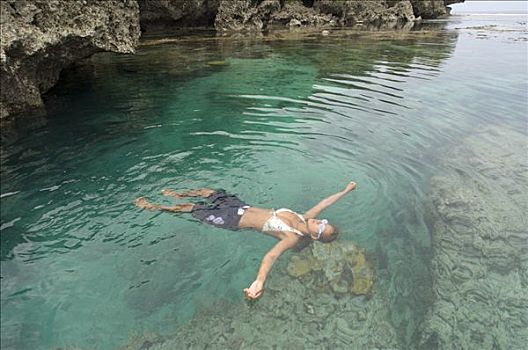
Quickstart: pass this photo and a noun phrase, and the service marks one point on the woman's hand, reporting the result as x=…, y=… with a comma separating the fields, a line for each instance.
x=255, y=290
x=350, y=187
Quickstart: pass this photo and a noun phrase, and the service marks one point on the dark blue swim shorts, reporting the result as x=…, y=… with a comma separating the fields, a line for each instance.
x=221, y=209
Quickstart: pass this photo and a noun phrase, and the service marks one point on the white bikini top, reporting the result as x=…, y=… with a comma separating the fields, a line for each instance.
x=274, y=223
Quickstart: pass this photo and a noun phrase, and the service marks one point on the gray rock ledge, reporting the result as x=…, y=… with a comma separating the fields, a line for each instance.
x=40, y=38
x=480, y=263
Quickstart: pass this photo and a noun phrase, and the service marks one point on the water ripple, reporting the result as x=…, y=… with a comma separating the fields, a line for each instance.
x=273, y=126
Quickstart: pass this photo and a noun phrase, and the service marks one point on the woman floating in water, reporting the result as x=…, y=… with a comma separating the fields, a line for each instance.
x=227, y=211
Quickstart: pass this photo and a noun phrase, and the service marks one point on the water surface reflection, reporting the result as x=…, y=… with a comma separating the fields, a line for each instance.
x=280, y=122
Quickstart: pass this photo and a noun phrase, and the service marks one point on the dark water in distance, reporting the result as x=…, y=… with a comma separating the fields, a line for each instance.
x=278, y=121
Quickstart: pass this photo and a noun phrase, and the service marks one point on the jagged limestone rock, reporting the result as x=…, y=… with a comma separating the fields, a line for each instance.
x=40, y=38
x=432, y=8
x=245, y=15
x=294, y=14
x=351, y=12
x=168, y=15
x=255, y=15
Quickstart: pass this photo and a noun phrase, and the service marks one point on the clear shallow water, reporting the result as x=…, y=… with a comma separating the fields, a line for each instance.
x=281, y=123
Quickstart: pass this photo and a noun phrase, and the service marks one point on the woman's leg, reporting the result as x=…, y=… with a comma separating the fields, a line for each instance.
x=179, y=208
x=201, y=192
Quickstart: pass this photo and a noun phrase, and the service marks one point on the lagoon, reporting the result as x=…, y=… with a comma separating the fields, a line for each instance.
x=282, y=120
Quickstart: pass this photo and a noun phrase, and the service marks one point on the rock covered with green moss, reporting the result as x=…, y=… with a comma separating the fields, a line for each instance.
x=296, y=312
x=342, y=267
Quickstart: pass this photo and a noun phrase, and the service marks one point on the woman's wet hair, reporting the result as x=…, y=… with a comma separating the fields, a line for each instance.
x=329, y=237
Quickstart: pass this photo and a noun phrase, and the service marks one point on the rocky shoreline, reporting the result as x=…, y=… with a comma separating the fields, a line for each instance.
x=39, y=39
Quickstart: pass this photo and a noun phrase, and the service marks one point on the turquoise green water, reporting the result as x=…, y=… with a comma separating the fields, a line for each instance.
x=280, y=123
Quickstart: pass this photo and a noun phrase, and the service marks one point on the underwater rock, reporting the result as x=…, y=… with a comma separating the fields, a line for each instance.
x=218, y=63
x=290, y=316
x=340, y=265
x=363, y=276
x=40, y=38
x=480, y=245
x=300, y=266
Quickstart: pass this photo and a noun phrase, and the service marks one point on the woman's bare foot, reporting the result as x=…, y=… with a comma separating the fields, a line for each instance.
x=143, y=203
x=172, y=193
x=202, y=192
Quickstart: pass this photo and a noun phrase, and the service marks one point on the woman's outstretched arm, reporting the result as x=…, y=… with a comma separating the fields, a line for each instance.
x=325, y=203
x=256, y=289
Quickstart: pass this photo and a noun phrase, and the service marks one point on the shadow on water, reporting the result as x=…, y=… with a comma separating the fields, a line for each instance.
x=269, y=118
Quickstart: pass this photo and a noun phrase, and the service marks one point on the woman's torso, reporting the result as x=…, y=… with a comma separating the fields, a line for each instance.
x=256, y=218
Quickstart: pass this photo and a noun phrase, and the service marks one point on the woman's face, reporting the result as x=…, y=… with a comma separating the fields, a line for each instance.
x=315, y=226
